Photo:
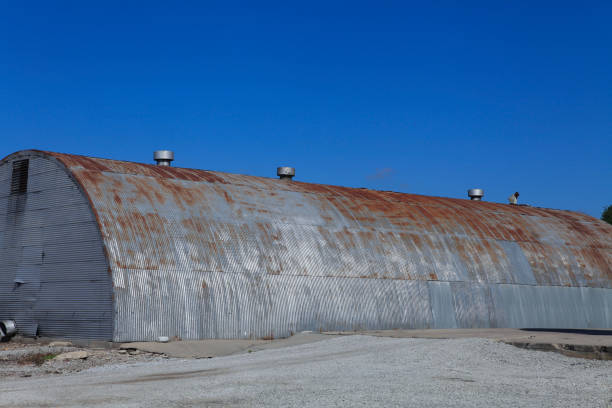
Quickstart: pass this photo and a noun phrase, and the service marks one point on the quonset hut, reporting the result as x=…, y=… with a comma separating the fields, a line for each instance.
x=103, y=249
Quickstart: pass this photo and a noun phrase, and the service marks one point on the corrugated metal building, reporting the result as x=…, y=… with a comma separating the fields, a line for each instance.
x=105, y=249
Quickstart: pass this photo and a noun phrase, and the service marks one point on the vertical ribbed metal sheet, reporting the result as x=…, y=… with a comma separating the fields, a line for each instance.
x=200, y=254
x=54, y=277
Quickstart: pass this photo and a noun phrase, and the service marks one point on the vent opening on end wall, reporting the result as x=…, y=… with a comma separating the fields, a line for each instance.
x=19, y=178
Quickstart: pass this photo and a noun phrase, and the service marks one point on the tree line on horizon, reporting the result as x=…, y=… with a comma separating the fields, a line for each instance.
x=606, y=215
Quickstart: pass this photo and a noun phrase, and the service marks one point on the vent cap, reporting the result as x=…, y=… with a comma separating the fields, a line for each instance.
x=163, y=157
x=285, y=172
x=476, y=194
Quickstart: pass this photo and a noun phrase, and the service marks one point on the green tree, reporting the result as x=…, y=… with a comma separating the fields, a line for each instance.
x=607, y=215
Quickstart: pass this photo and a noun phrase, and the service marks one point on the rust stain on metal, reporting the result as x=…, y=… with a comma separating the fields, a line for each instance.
x=258, y=242
x=225, y=220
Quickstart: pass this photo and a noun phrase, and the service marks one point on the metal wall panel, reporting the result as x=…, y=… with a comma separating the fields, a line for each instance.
x=599, y=307
x=472, y=305
x=442, y=306
x=54, y=278
x=521, y=270
x=551, y=306
x=245, y=305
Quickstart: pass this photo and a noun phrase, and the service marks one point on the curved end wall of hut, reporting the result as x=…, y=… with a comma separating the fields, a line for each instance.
x=54, y=277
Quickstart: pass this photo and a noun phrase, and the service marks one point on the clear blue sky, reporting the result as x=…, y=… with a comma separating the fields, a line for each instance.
x=427, y=99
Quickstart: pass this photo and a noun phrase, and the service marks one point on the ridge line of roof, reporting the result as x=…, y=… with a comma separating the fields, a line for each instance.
x=330, y=186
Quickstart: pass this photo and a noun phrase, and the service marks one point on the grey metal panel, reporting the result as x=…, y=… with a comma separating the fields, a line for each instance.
x=473, y=305
x=521, y=270
x=40, y=164
x=25, y=291
x=5, y=174
x=90, y=295
x=598, y=303
x=50, y=180
x=73, y=252
x=57, y=215
x=31, y=255
x=234, y=305
x=72, y=271
x=508, y=301
x=50, y=198
x=442, y=307
x=230, y=305
x=54, y=277
x=70, y=232
x=3, y=200
x=524, y=306
x=22, y=237
x=28, y=274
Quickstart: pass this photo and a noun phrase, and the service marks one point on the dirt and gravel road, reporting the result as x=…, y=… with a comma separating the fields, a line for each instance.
x=35, y=359
x=339, y=371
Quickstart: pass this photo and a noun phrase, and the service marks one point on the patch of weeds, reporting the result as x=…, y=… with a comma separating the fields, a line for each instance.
x=36, y=359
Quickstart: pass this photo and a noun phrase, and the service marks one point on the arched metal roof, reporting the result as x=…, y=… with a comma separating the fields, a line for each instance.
x=140, y=205
x=159, y=222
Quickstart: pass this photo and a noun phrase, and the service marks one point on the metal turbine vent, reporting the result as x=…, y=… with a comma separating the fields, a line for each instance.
x=476, y=194
x=163, y=157
x=285, y=172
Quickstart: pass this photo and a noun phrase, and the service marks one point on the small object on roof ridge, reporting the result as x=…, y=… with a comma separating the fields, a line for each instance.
x=513, y=199
x=476, y=194
x=285, y=172
x=163, y=157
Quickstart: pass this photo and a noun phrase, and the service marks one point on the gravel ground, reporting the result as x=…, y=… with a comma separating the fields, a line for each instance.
x=343, y=371
x=35, y=360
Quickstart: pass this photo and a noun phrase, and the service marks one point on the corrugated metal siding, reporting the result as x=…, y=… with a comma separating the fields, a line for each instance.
x=201, y=254
x=54, y=278
x=227, y=305
x=204, y=254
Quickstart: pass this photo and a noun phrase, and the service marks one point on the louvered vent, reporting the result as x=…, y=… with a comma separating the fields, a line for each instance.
x=19, y=179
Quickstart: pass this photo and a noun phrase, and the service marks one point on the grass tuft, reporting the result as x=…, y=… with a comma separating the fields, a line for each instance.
x=36, y=359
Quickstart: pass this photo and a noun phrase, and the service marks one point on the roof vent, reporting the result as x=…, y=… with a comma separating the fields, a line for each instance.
x=475, y=194
x=285, y=173
x=513, y=199
x=163, y=157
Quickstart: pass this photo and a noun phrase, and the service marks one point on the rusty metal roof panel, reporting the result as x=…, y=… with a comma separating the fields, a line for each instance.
x=235, y=222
